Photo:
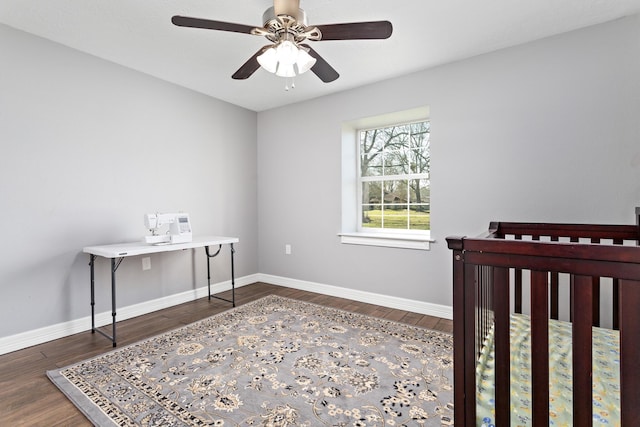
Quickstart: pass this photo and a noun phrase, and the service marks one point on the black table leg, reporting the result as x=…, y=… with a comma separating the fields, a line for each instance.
x=233, y=279
x=114, y=267
x=92, y=259
x=115, y=263
x=233, y=283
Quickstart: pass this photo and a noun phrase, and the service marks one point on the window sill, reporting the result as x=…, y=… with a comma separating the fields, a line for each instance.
x=387, y=240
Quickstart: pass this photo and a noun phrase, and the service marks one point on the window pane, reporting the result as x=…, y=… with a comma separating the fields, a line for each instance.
x=419, y=191
x=419, y=134
x=372, y=141
x=395, y=191
x=394, y=163
x=419, y=217
x=418, y=161
x=372, y=216
x=371, y=164
x=395, y=216
x=398, y=137
x=371, y=192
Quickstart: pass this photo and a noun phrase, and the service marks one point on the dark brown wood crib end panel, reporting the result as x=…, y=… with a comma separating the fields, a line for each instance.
x=497, y=266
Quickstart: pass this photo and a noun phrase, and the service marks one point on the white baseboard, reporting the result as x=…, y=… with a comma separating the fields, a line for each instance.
x=60, y=330
x=437, y=310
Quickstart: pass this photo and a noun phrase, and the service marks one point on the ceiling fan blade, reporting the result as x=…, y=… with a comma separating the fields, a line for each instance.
x=249, y=67
x=321, y=68
x=356, y=30
x=185, y=21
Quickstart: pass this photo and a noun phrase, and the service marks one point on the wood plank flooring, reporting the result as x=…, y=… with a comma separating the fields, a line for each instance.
x=28, y=398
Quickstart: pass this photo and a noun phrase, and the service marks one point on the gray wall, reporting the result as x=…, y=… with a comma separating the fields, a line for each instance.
x=546, y=131
x=88, y=147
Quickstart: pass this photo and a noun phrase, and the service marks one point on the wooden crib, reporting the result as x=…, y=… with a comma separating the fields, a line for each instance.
x=534, y=262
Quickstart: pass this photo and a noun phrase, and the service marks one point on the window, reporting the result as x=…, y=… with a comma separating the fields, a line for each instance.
x=386, y=197
x=393, y=181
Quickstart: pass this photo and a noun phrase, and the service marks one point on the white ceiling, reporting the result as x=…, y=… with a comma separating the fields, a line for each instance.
x=138, y=34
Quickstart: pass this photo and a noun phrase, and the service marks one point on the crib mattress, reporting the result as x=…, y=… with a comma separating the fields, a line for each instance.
x=606, y=376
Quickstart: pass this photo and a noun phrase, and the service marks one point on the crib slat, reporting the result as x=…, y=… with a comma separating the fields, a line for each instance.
x=582, y=295
x=629, y=352
x=502, y=350
x=517, y=285
x=540, y=348
x=555, y=288
x=595, y=304
x=517, y=290
x=616, y=304
x=470, y=355
x=479, y=305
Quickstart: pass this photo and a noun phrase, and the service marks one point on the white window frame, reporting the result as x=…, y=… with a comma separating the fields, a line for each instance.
x=352, y=230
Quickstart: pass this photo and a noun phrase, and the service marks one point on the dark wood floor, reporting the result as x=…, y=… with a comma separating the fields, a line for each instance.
x=28, y=398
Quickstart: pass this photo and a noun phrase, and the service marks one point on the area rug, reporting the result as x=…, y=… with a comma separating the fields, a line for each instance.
x=272, y=362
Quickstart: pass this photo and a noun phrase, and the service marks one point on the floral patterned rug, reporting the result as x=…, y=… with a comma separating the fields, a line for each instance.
x=272, y=362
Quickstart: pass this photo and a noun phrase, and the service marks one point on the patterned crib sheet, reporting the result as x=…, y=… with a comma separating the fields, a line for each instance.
x=606, y=376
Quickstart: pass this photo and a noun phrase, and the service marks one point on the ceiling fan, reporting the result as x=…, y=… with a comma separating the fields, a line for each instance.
x=285, y=26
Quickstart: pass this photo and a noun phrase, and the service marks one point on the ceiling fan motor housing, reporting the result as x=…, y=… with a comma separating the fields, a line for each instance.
x=269, y=15
x=286, y=7
x=277, y=26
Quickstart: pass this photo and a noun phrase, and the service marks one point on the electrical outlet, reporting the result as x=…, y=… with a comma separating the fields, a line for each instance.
x=146, y=263
x=287, y=249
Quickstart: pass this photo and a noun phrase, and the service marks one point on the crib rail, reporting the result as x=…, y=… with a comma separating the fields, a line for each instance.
x=573, y=232
x=485, y=271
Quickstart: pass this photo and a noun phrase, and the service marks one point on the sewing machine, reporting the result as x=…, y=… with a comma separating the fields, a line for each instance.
x=177, y=224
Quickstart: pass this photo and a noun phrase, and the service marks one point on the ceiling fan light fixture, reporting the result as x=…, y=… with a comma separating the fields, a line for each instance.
x=286, y=59
x=269, y=60
x=304, y=61
x=285, y=70
x=287, y=52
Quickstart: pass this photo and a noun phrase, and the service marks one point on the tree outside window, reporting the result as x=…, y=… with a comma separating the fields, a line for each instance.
x=394, y=177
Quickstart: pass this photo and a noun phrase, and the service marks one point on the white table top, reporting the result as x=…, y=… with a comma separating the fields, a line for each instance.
x=141, y=248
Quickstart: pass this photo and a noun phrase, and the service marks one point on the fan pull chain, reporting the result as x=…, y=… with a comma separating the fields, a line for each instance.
x=293, y=84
